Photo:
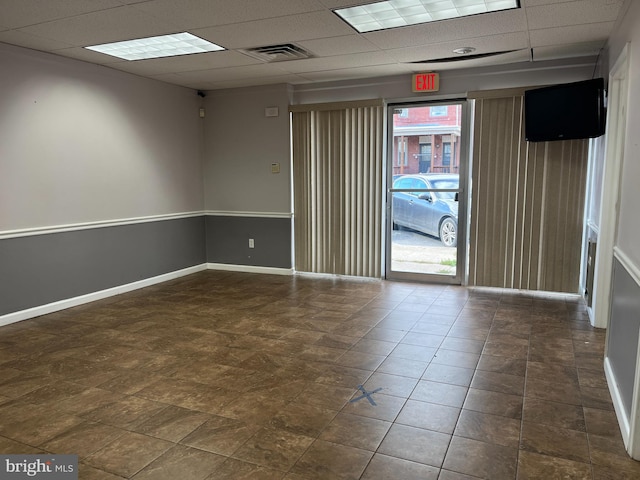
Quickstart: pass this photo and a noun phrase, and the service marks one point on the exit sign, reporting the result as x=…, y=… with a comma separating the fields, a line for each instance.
x=426, y=82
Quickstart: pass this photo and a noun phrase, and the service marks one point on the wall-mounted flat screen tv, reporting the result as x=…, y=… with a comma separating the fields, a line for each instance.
x=565, y=112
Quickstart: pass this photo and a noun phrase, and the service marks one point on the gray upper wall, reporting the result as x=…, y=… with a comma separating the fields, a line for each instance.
x=84, y=143
x=241, y=143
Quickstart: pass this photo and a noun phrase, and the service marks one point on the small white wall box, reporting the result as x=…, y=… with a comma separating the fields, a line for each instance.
x=275, y=168
x=271, y=112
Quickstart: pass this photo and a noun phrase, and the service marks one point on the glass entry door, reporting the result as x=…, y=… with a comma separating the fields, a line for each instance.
x=426, y=194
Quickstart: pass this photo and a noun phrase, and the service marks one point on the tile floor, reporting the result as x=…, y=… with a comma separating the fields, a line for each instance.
x=225, y=375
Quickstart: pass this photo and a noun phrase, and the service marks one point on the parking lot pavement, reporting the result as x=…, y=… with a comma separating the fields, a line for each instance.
x=405, y=236
x=418, y=253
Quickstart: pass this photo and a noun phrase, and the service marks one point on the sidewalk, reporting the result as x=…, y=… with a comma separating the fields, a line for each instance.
x=423, y=259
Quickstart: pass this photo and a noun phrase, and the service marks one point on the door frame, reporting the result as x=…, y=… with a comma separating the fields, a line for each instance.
x=464, y=196
x=600, y=314
x=608, y=222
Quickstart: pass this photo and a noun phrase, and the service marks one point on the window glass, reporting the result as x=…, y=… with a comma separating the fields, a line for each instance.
x=402, y=182
x=446, y=154
x=446, y=184
x=440, y=111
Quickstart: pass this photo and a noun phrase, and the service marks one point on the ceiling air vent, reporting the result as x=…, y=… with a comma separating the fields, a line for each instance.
x=278, y=53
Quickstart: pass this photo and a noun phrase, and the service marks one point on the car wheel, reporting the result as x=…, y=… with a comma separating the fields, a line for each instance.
x=448, y=232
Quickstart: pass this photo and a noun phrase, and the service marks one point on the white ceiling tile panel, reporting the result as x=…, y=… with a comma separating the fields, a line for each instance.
x=447, y=30
x=234, y=73
x=492, y=43
x=326, y=47
x=556, y=29
x=337, y=62
x=85, y=55
x=122, y=23
x=358, y=72
x=572, y=13
x=17, y=37
x=207, y=13
x=573, y=34
x=306, y=26
x=270, y=73
x=20, y=13
x=535, y=3
x=251, y=82
x=567, y=51
x=333, y=4
x=188, y=63
x=512, y=57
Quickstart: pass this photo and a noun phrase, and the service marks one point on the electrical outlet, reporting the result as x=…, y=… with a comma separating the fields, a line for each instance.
x=251, y=243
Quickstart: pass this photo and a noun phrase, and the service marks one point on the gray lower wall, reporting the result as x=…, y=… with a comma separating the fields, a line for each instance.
x=228, y=241
x=622, y=346
x=41, y=269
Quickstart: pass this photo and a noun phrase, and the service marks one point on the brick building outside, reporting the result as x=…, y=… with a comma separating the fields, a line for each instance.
x=426, y=139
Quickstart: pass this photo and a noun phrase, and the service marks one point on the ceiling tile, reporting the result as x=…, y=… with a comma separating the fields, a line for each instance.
x=80, y=53
x=306, y=26
x=17, y=37
x=333, y=4
x=122, y=23
x=20, y=13
x=570, y=34
x=535, y=3
x=556, y=29
x=207, y=13
x=357, y=72
x=447, y=30
x=511, y=57
x=572, y=13
x=132, y=2
x=251, y=82
x=233, y=73
x=337, y=62
x=493, y=43
x=325, y=47
x=566, y=51
x=188, y=63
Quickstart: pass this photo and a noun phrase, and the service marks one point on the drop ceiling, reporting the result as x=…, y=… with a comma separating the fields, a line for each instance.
x=540, y=30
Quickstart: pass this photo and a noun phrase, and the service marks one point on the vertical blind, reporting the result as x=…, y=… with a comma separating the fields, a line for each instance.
x=527, y=206
x=338, y=175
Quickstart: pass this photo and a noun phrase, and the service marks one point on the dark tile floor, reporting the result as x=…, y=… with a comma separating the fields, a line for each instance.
x=228, y=376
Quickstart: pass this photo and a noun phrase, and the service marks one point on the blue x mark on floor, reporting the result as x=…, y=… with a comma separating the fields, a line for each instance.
x=366, y=395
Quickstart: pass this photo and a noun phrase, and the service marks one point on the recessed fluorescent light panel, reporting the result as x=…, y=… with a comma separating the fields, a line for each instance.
x=156, y=47
x=400, y=13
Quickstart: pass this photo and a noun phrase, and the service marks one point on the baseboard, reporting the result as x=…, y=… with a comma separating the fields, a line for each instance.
x=592, y=317
x=250, y=269
x=110, y=292
x=92, y=297
x=621, y=414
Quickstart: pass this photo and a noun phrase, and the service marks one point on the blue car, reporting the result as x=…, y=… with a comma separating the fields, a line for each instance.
x=433, y=213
